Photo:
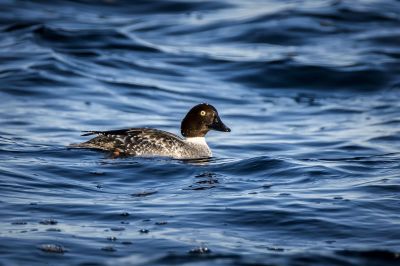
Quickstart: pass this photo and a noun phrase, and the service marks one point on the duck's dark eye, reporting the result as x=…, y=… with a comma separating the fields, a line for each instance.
x=202, y=113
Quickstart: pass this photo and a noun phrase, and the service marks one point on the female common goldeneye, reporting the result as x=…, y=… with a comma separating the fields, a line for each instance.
x=153, y=142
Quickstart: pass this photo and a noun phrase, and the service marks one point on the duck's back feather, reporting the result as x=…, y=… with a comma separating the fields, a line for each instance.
x=139, y=142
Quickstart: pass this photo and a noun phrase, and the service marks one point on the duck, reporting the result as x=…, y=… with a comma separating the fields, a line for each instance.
x=149, y=142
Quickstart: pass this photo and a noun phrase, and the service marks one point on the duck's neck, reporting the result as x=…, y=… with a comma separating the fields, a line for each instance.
x=197, y=140
x=199, y=144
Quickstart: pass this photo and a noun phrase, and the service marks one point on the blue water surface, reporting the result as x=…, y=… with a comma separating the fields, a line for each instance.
x=309, y=175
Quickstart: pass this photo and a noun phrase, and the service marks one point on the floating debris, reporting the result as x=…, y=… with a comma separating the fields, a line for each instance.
x=117, y=229
x=200, y=250
x=53, y=230
x=49, y=222
x=161, y=223
x=124, y=214
x=144, y=231
x=276, y=249
x=52, y=248
x=112, y=238
x=108, y=249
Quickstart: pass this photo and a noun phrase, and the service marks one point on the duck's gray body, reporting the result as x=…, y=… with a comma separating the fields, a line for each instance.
x=146, y=142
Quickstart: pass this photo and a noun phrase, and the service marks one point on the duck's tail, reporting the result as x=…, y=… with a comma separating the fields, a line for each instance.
x=90, y=132
x=86, y=144
x=78, y=145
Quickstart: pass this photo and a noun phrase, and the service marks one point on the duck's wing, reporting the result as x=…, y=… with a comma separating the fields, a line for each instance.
x=143, y=132
x=137, y=141
x=109, y=132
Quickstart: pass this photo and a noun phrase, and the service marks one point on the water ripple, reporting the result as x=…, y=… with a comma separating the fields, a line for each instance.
x=308, y=175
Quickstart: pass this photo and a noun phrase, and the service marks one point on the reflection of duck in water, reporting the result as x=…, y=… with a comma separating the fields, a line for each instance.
x=147, y=142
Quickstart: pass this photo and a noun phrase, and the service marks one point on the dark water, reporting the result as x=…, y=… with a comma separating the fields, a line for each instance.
x=309, y=175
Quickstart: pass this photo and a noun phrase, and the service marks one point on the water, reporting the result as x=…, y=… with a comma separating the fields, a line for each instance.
x=309, y=174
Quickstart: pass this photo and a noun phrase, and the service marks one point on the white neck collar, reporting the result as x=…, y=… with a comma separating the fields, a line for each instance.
x=197, y=140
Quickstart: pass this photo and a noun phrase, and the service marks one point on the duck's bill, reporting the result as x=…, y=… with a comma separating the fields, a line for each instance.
x=219, y=126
